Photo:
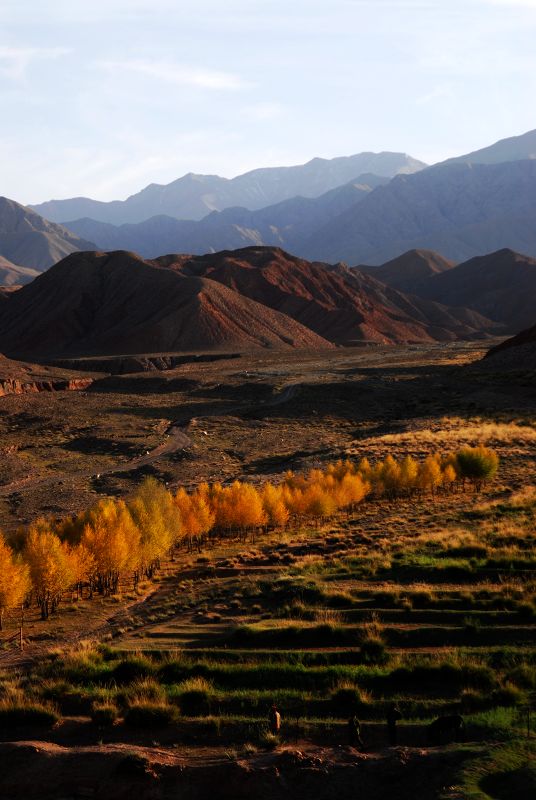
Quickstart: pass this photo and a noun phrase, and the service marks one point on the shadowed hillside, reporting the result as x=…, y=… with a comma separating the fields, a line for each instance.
x=28, y=239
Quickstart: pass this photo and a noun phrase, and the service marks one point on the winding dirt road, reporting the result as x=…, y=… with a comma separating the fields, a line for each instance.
x=176, y=439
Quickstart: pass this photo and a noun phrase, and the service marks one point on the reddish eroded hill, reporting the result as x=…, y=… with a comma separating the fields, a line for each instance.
x=408, y=272
x=117, y=303
x=340, y=304
x=500, y=285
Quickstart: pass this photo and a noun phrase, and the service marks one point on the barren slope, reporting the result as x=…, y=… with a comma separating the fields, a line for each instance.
x=410, y=271
x=341, y=305
x=26, y=238
x=500, y=285
x=98, y=303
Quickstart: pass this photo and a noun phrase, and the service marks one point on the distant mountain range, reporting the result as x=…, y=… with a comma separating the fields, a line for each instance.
x=29, y=240
x=459, y=209
x=478, y=203
x=192, y=197
x=464, y=207
x=287, y=224
x=515, y=148
x=118, y=303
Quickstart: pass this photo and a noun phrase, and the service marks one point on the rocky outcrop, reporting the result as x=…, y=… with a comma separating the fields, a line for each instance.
x=16, y=386
x=124, y=365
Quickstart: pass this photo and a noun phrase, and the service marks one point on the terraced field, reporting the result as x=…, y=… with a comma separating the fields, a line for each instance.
x=335, y=619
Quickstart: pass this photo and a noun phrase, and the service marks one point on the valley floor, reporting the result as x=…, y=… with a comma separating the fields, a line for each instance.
x=425, y=601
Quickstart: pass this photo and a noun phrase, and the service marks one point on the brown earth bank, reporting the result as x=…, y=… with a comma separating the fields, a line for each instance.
x=22, y=378
x=36, y=769
x=121, y=365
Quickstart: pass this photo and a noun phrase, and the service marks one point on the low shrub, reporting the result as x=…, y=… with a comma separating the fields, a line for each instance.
x=104, y=715
x=373, y=651
x=132, y=669
x=14, y=715
x=345, y=700
x=269, y=741
x=150, y=715
x=193, y=697
x=133, y=765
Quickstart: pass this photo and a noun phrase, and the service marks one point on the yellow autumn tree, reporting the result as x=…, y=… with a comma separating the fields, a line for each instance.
x=430, y=474
x=318, y=503
x=409, y=471
x=196, y=516
x=390, y=476
x=14, y=580
x=113, y=540
x=449, y=476
x=274, y=506
x=158, y=521
x=351, y=490
x=49, y=566
x=82, y=565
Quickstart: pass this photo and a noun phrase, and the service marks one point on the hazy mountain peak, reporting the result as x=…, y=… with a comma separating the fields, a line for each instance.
x=193, y=196
x=514, y=148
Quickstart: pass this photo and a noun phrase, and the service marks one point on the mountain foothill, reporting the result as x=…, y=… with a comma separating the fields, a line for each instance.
x=368, y=249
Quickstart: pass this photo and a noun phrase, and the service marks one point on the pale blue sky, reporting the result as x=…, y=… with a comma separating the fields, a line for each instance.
x=101, y=97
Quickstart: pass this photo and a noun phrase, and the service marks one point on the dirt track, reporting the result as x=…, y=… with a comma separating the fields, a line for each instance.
x=36, y=769
x=176, y=439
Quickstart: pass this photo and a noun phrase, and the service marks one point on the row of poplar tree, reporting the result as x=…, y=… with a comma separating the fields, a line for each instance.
x=118, y=538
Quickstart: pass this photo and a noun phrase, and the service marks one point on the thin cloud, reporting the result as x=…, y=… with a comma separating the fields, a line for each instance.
x=179, y=74
x=437, y=93
x=14, y=61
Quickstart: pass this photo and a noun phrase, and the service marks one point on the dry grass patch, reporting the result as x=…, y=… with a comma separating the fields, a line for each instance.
x=454, y=430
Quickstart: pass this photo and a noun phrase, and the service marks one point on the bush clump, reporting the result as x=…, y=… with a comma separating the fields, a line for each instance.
x=345, y=700
x=150, y=715
x=104, y=715
x=373, y=652
x=13, y=715
x=194, y=697
x=132, y=669
x=477, y=464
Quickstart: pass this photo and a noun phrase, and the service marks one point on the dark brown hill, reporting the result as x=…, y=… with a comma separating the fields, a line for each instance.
x=100, y=303
x=410, y=271
x=26, y=238
x=517, y=353
x=501, y=286
x=339, y=304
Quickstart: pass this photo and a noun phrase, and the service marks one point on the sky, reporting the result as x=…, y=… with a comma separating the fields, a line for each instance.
x=101, y=97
